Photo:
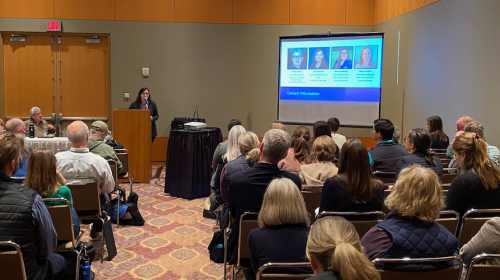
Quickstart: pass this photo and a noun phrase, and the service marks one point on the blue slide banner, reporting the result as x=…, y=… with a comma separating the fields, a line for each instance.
x=330, y=94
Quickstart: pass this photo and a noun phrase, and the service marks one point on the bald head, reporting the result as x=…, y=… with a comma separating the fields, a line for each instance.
x=78, y=134
x=461, y=122
x=15, y=125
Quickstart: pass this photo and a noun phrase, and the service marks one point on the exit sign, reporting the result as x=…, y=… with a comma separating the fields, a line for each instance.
x=54, y=26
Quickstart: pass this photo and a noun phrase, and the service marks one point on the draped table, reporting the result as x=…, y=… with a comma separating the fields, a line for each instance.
x=189, y=162
x=55, y=144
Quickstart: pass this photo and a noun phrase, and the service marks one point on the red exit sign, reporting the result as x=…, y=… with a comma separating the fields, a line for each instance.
x=54, y=26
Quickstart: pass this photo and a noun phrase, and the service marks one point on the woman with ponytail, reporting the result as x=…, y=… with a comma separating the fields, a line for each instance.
x=324, y=150
x=477, y=187
x=418, y=144
x=248, y=146
x=335, y=252
x=299, y=153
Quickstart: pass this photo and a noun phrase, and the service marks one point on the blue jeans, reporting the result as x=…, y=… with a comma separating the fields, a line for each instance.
x=76, y=223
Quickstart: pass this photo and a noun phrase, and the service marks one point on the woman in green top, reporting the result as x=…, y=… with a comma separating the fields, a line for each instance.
x=43, y=177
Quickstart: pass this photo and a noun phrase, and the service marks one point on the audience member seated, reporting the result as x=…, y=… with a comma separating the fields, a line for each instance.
x=487, y=240
x=335, y=253
x=233, y=151
x=321, y=128
x=15, y=125
x=339, y=139
x=25, y=220
x=283, y=228
x=43, y=177
x=492, y=151
x=418, y=144
x=96, y=145
x=353, y=189
x=315, y=174
x=477, y=187
x=386, y=153
x=277, y=126
x=248, y=144
x=221, y=150
x=299, y=153
x=79, y=166
x=248, y=187
x=435, y=127
x=461, y=122
x=23, y=160
x=410, y=230
x=42, y=128
x=396, y=135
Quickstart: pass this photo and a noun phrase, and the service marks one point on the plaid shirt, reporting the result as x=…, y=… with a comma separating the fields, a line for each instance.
x=493, y=153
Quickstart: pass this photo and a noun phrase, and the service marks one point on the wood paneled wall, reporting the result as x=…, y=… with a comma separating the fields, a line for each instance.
x=388, y=9
x=145, y=10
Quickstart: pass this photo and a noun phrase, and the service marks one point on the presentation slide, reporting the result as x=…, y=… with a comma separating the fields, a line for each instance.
x=336, y=75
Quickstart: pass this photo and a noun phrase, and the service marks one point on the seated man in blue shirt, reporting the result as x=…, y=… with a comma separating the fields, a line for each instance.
x=25, y=220
x=386, y=154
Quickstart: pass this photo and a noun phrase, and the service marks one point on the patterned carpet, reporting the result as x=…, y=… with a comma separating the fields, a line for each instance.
x=171, y=245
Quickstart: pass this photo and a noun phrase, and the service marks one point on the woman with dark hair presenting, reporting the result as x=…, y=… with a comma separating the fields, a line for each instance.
x=418, y=144
x=344, y=61
x=144, y=101
x=439, y=139
x=319, y=61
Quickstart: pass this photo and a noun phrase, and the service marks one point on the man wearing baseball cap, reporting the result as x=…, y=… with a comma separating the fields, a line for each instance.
x=98, y=132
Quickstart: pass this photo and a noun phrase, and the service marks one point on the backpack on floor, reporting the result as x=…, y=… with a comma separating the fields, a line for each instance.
x=129, y=212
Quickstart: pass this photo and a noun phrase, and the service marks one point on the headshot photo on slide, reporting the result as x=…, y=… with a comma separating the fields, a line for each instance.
x=366, y=57
x=342, y=57
x=297, y=58
x=318, y=58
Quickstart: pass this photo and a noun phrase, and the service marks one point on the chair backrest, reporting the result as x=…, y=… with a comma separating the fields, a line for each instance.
x=114, y=171
x=312, y=200
x=86, y=199
x=362, y=227
x=449, y=219
x=312, y=188
x=445, y=162
x=472, y=222
x=122, y=155
x=385, y=177
x=452, y=273
x=248, y=221
x=440, y=155
x=478, y=271
x=11, y=261
x=262, y=275
x=447, y=178
x=62, y=220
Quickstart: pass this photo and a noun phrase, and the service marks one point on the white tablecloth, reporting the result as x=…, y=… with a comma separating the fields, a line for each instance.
x=55, y=144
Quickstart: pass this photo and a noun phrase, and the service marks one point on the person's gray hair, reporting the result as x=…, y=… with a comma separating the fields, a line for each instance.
x=276, y=144
x=13, y=125
x=33, y=110
x=79, y=136
x=396, y=135
x=476, y=127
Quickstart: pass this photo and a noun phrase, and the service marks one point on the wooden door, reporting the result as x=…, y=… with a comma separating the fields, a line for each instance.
x=83, y=70
x=28, y=75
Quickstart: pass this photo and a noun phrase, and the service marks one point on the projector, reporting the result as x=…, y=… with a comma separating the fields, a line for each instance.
x=194, y=125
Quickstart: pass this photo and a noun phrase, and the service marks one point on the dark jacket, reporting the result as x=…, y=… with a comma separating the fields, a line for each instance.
x=419, y=158
x=387, y=150
x=153, y=112
x=327, y=275
x=440, y=144
x=281, y=244
x=415, y=239
x=16, y=225
x=247, y=192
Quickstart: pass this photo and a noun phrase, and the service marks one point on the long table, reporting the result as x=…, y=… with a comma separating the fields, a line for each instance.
x=55, y=144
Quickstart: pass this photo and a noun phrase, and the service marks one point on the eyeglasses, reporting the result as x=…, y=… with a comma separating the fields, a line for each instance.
x=296, y=56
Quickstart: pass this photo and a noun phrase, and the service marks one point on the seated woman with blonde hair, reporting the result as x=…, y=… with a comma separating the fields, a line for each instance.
x=283, y=227
x=410, y=229
x=323, y=152
x=335, y=253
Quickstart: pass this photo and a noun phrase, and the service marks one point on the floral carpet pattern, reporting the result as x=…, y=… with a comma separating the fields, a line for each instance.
x=172, y=244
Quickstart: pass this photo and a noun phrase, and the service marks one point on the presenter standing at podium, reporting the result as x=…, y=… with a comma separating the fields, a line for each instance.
x=144, y=102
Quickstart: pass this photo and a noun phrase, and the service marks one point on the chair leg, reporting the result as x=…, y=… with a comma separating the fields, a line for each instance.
x=225, y=253
x=131, y=180
x=103, y=242
x=118, y=211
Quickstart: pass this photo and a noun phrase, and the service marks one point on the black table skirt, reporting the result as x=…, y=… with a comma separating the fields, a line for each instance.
x=189, y=162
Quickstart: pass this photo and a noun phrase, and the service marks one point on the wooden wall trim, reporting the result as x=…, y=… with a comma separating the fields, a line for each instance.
x=388, y=9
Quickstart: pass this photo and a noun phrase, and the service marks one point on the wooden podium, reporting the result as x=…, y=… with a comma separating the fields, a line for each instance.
x=132, y=128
